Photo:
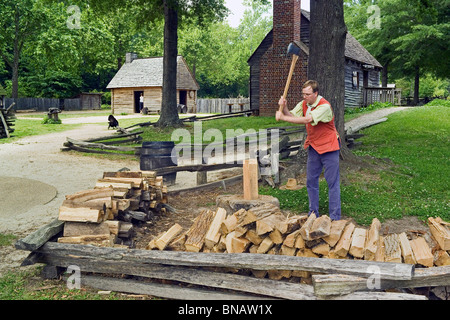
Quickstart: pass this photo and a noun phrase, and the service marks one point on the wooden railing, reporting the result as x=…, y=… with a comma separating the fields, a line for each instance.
x=381, y=94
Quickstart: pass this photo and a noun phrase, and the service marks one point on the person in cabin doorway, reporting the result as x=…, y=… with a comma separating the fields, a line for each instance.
x=322, y=142
x=141, y=103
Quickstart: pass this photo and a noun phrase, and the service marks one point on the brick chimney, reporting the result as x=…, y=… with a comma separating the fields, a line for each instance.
x=275, y=63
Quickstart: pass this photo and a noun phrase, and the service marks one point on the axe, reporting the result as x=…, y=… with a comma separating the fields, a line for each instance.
x=295, y=51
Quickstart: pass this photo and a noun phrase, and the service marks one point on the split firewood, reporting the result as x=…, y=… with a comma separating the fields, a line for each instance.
x=268, y=224
x=265, y=245
x=320, y=228
x=236, y=244
x=168, y=236
x=196, y=234
x=372, y=240
x=305, y=252
x=213, y=235
x=344, y=243
x=407, y=254
x=253, y=236
x=380, y=254
x=422, y=252
x=439, y=230
x=276, y=236
x=288, y=251
x=322, y=248
x=290, y=239
x=441, y=258
x=229, y=224
x=91, y=194
x=80, y=214
x=290, y=224
x=337, y=227
x=103, y=240
x=259, y=212
x=305, y=229
x=393, y=252
x=74, y=229
x=358, y=243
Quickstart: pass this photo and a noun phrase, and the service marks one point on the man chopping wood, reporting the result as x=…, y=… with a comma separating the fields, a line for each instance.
x=322, y=143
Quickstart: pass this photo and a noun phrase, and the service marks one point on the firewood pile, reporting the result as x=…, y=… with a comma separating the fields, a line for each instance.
x=7, y=118
x=265, y=230
x=105, y=215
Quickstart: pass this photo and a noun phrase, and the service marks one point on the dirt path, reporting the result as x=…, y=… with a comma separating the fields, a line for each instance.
x=39, y=158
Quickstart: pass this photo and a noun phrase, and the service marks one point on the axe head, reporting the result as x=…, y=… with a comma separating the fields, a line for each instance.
x=293, y=49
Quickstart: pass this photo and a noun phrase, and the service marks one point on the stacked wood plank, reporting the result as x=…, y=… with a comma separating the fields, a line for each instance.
x=105, y=215
x=7, y=118
x=265, y=230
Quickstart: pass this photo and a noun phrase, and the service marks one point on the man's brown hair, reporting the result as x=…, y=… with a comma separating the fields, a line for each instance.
x=313, y=84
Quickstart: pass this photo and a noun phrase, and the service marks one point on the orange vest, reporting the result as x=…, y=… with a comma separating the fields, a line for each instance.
x=323, y=137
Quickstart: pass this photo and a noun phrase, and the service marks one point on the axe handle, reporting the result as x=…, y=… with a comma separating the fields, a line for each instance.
x=288, y=82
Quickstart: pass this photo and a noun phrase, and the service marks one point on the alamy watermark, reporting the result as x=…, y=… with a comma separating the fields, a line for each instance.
x=374, y=20
x=74, y=280
x=74, y=20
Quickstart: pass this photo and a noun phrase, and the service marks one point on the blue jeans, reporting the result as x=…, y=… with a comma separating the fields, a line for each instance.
x=316, y=162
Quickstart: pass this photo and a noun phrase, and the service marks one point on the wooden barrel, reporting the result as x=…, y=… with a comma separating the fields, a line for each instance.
x=158, y=154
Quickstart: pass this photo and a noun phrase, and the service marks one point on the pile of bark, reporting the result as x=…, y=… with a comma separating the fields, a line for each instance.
x=7, y=118
x=105, y=215
x=265, y=230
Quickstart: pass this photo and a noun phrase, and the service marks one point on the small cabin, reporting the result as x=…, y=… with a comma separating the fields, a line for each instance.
x=145, y=77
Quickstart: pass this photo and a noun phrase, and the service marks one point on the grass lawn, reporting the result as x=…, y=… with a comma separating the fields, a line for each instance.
x=418, y=183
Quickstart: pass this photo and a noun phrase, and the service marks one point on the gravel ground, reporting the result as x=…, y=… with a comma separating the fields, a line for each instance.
x=53, y=174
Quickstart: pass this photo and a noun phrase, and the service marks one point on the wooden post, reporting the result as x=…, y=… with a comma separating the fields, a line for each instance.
x=250, y=177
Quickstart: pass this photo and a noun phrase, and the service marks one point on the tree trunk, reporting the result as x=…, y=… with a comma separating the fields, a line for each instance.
x=416, y=86
x=15, y=64
x=169, y=114
x=327, y=57
x=384, y=75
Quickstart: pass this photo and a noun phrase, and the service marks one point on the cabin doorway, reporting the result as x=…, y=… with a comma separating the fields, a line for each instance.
x=183, y=97
x=137, y=95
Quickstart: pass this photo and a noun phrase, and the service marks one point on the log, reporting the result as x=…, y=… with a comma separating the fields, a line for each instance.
x=91, y=194
x=320, y=228
x=229, y=224
x=99, y=240
x=372, y=240
x=212, y=237
x=268, y=224
x=73, y=229
x=290, y=239
x=253, y=237
x=422, y=252
x=265, y=245
x=338, y=284
x=38, y=238
x=168, y=236
x=259, y=212
x=241, y=261
x=291, y=224
x=441, y=258
x=80, y=214
x=440, y=233
x=305, y=229
x=195, y=236
x=393, y=252
x=236, y=244
x=407, y=254
x=358, y=243
x=345, y=241
x=250, y=179
x=337, y=227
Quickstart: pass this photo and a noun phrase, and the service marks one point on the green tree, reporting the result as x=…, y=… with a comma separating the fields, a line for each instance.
x=410, y=40
x=20, y=22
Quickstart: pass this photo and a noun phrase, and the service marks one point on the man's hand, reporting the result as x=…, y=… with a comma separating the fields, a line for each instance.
x=282, y=103
x=279, y=116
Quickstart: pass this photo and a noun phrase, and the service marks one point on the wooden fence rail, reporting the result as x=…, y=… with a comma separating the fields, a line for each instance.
x=223, y=105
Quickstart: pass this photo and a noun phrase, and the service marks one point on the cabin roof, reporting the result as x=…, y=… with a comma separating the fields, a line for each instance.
x=148, y=72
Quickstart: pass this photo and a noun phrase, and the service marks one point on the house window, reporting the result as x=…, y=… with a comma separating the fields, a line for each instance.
x=355, y=80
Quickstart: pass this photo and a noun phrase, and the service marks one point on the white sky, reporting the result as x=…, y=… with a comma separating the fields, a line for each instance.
x=237, y=10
